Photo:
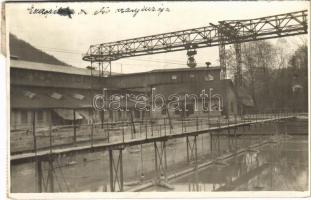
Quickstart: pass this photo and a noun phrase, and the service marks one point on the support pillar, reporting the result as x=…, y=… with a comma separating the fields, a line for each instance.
x=160, y=160
x=238, y=76
x=211, y=144
x=51, y=175
x=40, y=175
x=74, y=127
x=192, y=150
x=116, y=170
x=48, y=185
x=222, y=59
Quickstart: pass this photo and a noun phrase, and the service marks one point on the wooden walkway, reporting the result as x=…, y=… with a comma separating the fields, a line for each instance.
x=46, y=154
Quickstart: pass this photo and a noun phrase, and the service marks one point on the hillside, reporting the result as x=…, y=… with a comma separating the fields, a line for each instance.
x=25, y=51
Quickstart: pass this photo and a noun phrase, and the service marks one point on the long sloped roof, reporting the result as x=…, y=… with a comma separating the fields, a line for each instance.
x=21, y=64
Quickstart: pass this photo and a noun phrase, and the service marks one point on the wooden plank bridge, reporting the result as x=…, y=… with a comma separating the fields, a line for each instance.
x=115, y=150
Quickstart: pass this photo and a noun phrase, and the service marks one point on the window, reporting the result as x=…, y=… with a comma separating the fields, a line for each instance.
x=208, y=77
x=191, y=76
x=56, y=95
x=40, y=116
x=174, y=77
x=78, y=96
x=29, y=94
x=24, y=117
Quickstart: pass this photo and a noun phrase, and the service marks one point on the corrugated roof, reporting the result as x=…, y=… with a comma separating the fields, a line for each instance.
x=171, y=70
x=188, y=69
x=21, y=64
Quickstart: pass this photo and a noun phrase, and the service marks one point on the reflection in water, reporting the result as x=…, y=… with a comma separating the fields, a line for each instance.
x=278, y=166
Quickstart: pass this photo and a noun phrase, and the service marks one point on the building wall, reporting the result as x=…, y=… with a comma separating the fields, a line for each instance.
x=150, y=79
x=222, y=89
x=165, y=82
x=21, y=118
x=47, y=79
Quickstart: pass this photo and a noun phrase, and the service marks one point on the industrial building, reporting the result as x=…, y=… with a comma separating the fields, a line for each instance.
x=55, y=91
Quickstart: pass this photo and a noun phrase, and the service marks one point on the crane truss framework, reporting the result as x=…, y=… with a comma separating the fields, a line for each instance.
x=226, y=32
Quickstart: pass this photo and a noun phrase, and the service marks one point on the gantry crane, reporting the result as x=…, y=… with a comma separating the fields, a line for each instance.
x=221, y=34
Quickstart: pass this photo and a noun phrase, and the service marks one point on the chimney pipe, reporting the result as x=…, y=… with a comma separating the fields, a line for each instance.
x=208, y=64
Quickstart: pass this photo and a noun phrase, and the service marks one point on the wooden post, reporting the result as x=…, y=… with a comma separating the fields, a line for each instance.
x=50, y=136
x=156, y=159
x=51, y=169
x=187, y=142
x=140, y=129
x=92, y=133
x=74, y=127
x=111, y=170
x=219, y=122
x=34, y=131
x=121, y=170
x=133, y=129
x=51, y=177
x=218, y=144
x=211, y=144
x=123, y=133
x=164, y=126
x=38, y=161
x=165, y=159
x=151, y=126
x=196, y=152
x=39, y=178
x=102, y=115
x=107, y=129
x=197, y=123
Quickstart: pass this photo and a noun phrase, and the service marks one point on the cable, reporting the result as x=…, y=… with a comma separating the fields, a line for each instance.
x=159, y=61
x=175, y=62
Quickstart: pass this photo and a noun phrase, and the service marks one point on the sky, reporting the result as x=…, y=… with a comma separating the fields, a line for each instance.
x=69, y=38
